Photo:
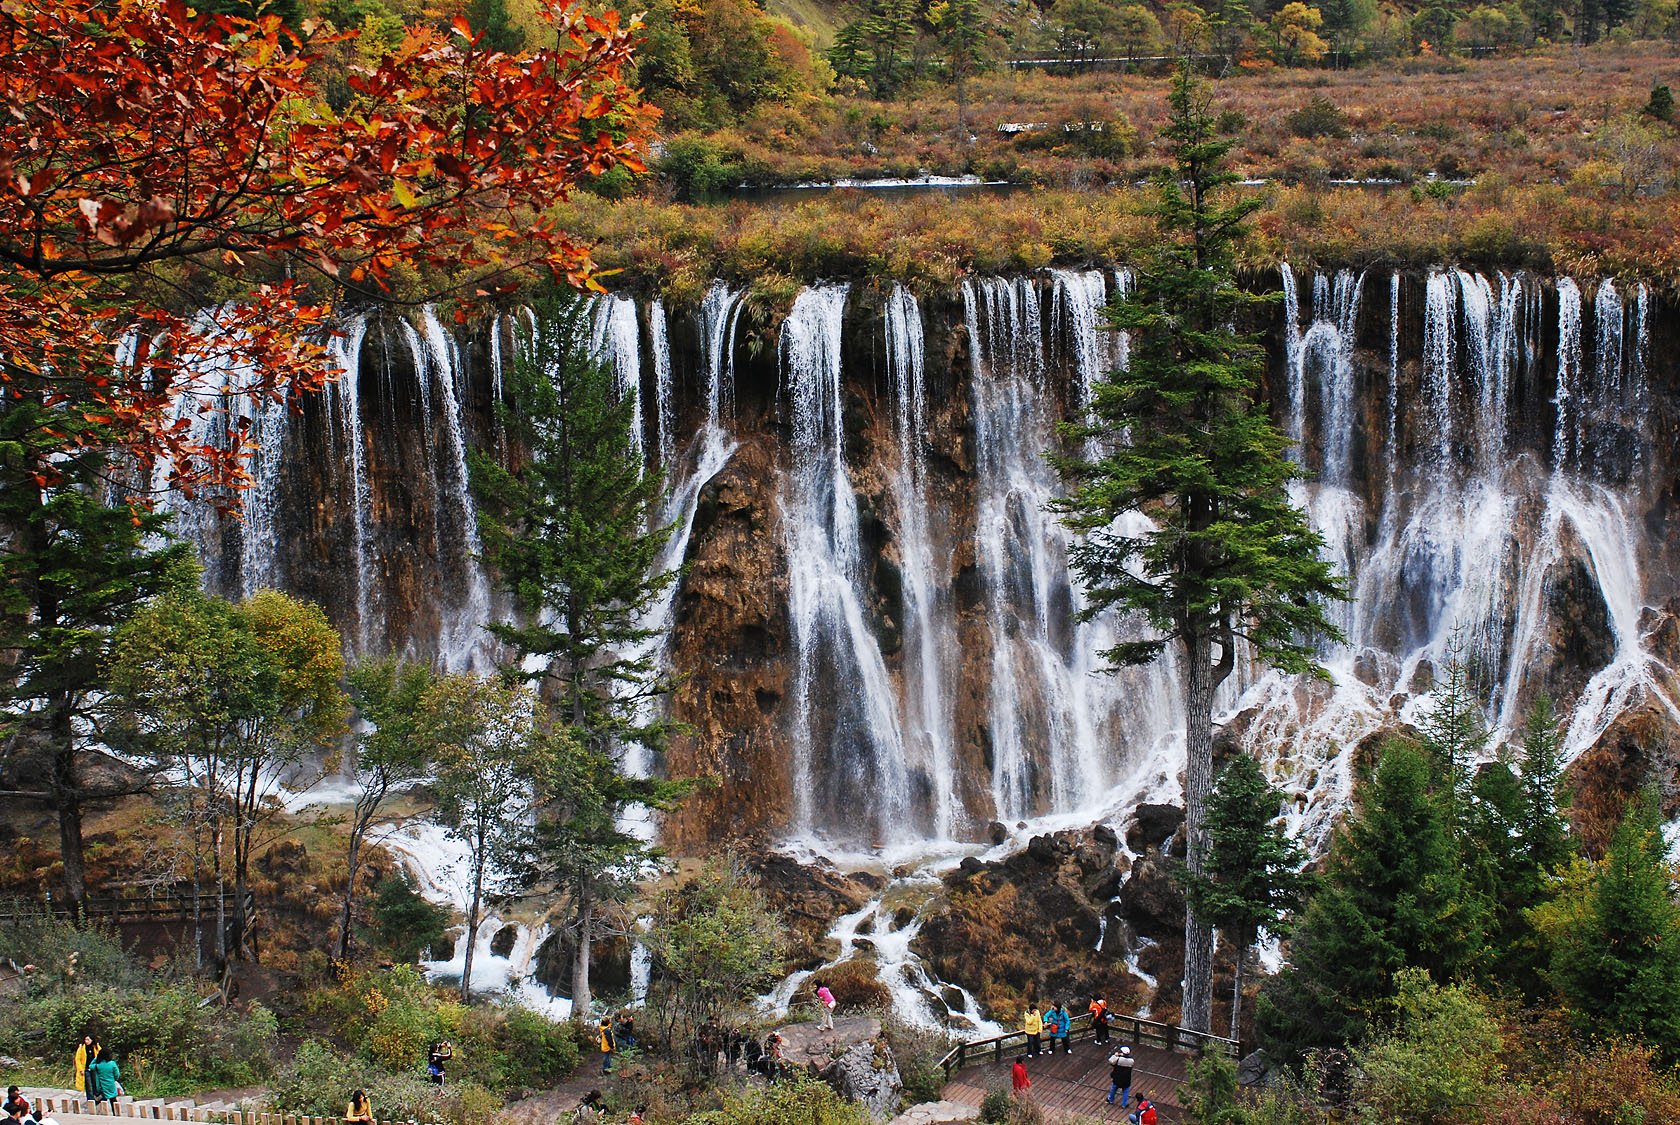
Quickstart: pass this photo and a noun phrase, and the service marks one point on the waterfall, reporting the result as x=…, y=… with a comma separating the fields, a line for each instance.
x=1566, y=441
x=929, y=645
x=846, y=739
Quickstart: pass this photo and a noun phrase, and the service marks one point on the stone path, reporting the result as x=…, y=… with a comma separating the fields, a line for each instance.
x=1076, y=1084
x=936, y=1113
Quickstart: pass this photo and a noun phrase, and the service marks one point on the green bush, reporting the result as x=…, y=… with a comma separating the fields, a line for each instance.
x=318, y=1081
x=540, y=1051
x=696, y=168
x=917, y=1052
x=804, y=1101
x=1320, y=117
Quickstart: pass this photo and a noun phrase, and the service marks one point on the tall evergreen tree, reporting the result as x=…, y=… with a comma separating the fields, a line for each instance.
x=72, y=569
x=1252, y=876
x=1613, y=936
x=1394, y=895
x=1454, y=734
x=1187, y=442
x=964, y=40
x=572, y=533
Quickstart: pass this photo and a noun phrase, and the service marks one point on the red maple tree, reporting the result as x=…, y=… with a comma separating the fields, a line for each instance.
x=149, y=152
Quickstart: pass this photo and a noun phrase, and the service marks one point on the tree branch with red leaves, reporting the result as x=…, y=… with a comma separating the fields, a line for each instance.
x=141, y=139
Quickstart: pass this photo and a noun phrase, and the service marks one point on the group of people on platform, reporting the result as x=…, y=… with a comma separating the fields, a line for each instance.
x=1055, y=1023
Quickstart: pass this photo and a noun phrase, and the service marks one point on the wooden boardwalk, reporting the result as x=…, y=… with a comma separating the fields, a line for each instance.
x=1076, y=1084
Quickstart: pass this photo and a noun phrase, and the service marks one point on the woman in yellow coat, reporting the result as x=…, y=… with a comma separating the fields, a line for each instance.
x=1033, y=1025
x=86, y=1051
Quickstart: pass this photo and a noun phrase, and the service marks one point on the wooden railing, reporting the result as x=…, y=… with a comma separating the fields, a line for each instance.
x=47, y=1107
x=1124, y=1029
x=130, y=905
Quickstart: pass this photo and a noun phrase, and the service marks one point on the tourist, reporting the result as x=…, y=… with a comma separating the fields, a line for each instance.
x=588, y=1111
x=360, y=1110
x=773, y=1060
x=1059, y=1023
x=86, y=1051
x=1120, y=1076
x=609, y=1044
x=827, y=999
x=753, y=1051
x=17, y=1107
x=440, y=1054
x=1145, y=1113
x=1033, y=1025
x=104, y=1079
x=1099, y=1019
x=625, y=1031
x=1018, y=1080
x=637, y=1116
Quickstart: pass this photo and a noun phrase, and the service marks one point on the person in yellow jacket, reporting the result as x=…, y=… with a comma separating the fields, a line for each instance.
x=1033, y=1025
x=86, y=1051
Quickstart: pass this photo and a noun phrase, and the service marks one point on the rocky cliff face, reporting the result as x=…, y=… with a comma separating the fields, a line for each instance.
x=875, y=634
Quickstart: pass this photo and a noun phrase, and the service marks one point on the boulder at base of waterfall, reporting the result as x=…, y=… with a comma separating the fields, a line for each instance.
x=1030, y=928
x=854, y=1058
x=809, y=897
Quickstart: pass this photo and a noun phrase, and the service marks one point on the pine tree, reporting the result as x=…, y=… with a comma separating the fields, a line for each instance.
x=1189, y=444
x=1252, y=875
x=1613, y=936
x=72, y=569
x=571, y=533
x=1454, y=734
x=1394, y=895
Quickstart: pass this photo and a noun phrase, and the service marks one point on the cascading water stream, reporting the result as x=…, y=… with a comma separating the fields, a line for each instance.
x=846, y=738
x=345, y=349
x=929, y=643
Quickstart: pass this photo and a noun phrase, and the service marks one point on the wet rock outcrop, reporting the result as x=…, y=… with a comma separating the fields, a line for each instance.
x=854, y=1058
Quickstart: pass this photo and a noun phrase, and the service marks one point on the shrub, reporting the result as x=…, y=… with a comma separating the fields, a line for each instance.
x=1436, y=1062
x=804, y=1101
x=318, y=1080
x=996, y=1103
x=540, y=1051
x=696, y=168
x=1320, y=117
x=1661, y=105
x=917, y=1050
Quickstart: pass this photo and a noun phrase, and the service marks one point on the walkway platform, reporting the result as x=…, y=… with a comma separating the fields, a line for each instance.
x=1076, y=1084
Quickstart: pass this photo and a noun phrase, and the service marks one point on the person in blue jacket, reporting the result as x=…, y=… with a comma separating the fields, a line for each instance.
x=1057, y=1023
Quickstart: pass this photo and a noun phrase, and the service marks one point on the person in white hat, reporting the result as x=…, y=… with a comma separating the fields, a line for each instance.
x=1120, y=1076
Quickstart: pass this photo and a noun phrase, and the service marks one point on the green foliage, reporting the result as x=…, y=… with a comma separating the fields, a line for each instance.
x=1320, y=117
x=540, y=1052
x=1436, y=1060
x=1613, y=937
x=917, y=1052
x=318, y=1082
x=1661, y=104
x=879, y=47
x=1453, y=734
x=803, y=1101
x=1395, y=895
x=715, y=944
x=65, y=955
x=163, y=1039
x=404, y=923
x=490, y=19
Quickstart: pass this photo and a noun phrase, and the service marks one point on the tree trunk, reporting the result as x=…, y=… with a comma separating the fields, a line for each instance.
x=353, y=860
x=1197, y=1012
x=1236, y=994
x=70, y=827
x=479, y=861
x=581, y=998
x=221, y=892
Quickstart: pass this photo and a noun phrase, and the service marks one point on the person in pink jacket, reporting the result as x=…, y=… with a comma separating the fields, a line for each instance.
x=826, y=998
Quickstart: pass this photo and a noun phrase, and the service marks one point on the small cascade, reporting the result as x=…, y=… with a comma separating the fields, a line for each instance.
x=664, y=394
x=929, y=645
x=720, y=312
x=1077, y=325
x=846, y=738
x=1566, y=441
x=259, y=530
x=345, y=402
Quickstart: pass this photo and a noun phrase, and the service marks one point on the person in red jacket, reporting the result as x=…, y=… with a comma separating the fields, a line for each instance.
x=1018, y=1079
x=1145, y=1113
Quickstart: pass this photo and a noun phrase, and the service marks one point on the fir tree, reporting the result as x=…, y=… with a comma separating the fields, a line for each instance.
x=963, y=36
x=1188, y=443
x=72, y=569
x=1613, y=936
x=571, y=534
x=1394, y=895
x=1252, y=875
x=1454, y=734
